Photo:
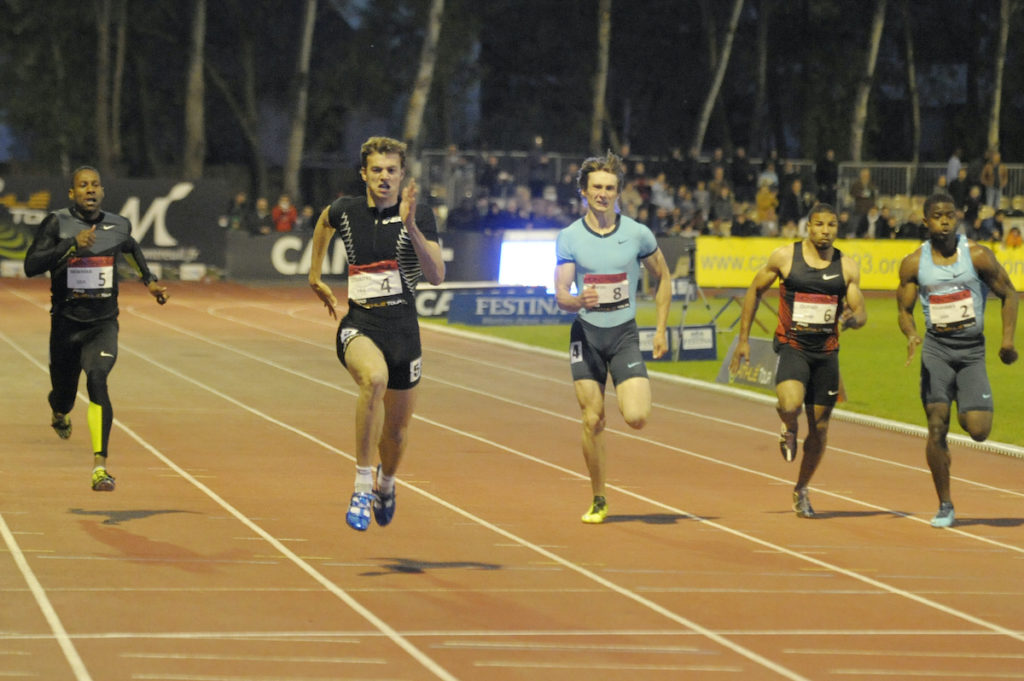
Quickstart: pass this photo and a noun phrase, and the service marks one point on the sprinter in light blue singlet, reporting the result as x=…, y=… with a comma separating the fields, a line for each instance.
x=601, y=254
x=952, y=275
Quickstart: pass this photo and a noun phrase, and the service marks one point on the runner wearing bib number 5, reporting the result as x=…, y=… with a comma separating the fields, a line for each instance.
x=952, y=276
x=390, y=242
x=819, y=292
x=79, y=247
x=601, y=254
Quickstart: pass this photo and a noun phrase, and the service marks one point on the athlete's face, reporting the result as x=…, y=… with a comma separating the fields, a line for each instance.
x=86, y=191
x=602, y=191
x=383, y=175
x=822, y=229
x=941, y=221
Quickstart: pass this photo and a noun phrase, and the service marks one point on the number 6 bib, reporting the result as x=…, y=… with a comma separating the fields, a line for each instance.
x=814, y=312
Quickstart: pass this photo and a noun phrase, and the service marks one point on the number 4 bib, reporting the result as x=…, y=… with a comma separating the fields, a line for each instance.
x=374, y=284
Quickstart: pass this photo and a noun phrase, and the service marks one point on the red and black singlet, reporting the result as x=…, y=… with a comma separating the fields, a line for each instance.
x=810, y=303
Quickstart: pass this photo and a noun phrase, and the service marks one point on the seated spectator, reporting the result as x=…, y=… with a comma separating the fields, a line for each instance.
x=262, y=221
x=722, y=211
x=238, y=212
x=307, y=219
x=1013, y=238
x=913, y=229
x=870, y=225
x=745, y=224
x=284, y=214
x=766, y=202
x=846, y=230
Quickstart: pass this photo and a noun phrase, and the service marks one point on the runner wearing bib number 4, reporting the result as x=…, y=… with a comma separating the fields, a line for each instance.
x=819, y=292
x=390, y=242
x=601, y=255
x=79, y=247
x=952, y=275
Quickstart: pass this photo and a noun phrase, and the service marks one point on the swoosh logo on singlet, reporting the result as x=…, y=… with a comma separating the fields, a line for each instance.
x=826, y=277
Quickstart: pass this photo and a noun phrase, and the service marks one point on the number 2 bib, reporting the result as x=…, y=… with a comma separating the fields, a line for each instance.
x=951, y=311
x=91, y=277
x=612, y=290
x=814, y=312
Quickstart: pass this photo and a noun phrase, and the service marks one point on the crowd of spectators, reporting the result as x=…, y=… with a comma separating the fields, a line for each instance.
x=690, y=195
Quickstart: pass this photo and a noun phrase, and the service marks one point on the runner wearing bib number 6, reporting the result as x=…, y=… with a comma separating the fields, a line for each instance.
x=819, y=292
x=79, y=247
x=952, y=275
x=391, y=243
x=601, y=255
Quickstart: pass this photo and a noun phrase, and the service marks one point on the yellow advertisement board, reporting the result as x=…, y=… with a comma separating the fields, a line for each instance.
x=731, y=262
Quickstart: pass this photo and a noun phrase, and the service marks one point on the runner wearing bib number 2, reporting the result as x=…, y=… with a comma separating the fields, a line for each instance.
x=390, y=243
x=601, y=254
x=952, y=276
x=79, y=247
x=819, y=292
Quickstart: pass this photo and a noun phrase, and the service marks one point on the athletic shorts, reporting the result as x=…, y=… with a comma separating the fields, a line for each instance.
x=817, y=371
x=596, y=350
x=76, y=346
x=959, y=374
x=398, y=339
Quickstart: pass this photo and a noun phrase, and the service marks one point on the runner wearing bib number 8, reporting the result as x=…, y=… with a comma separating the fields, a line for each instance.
x=951, y=276
x=819, y=292
x=79, y=247
x=600, y=254
x=391, y=243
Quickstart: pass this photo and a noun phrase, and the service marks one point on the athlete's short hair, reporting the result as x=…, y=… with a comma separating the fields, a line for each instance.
x=821, y=207
x=382, y=145
x=609, y=163
x=936, y=198
x=79, y=169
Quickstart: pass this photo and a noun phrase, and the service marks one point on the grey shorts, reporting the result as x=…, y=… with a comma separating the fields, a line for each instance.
x=958, y=374
x=594, y=351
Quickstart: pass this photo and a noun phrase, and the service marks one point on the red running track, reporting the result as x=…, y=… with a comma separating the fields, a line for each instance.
x=223, y=555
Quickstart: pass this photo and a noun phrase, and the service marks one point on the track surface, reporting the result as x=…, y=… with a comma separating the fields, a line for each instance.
x=224, y=556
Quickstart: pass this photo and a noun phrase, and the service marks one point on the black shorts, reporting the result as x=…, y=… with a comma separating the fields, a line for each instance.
x=398, y=339
x=817, y=371
x=955, y=373
x=596, y=350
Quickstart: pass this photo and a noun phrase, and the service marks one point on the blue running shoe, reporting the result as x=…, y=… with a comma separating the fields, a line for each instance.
x=383, y=504
x=358, y=516
x=946, y=516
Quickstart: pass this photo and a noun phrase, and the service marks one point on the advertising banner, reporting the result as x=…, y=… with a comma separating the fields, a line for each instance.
x=174, y=221
x=506, y=306
x=732, y=262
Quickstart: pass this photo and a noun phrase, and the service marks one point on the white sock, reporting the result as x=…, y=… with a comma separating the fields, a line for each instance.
x=386, y=483
x=364, y=479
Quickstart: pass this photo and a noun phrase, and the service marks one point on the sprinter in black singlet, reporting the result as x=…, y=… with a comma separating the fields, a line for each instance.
x=390, y=242
x=819, y=291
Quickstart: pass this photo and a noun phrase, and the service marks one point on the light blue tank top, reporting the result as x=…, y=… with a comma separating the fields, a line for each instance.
x=611, y=263
x=952, y=296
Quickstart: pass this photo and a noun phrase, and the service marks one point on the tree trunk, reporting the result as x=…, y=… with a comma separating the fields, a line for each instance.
x=915, y=95
x=860, y=107
x=758, y=120
x=117, y=85
x=297, y=138
x=1005, y=11
x=604, y=40
x=195, y=105
x=424, y=78
x=102, y=123
x=716, y=83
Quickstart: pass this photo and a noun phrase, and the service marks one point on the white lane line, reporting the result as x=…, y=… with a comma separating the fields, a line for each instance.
x=340, y=593
x=723, y=528
x=60, y=635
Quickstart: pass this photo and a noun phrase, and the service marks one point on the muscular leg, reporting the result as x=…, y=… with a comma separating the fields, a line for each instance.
x=590, y=395
x=398, y=408
x=978, y=424
x=99, y=354
x=815, y=442
x=790, y=400
x=937, y=450
x=366, y=365
x=65, y=367
x=634, y=395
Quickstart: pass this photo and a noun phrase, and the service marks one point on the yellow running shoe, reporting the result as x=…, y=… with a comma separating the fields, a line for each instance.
x=597, y=512
x=101, y=480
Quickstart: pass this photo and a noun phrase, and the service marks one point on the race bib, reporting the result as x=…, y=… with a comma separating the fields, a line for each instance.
x=612, y=290
x=814, y=312
x=374, y=284
x=951, y=311
x=91, y=277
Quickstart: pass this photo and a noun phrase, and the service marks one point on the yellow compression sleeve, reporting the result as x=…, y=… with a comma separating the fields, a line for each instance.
x=95, y=418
